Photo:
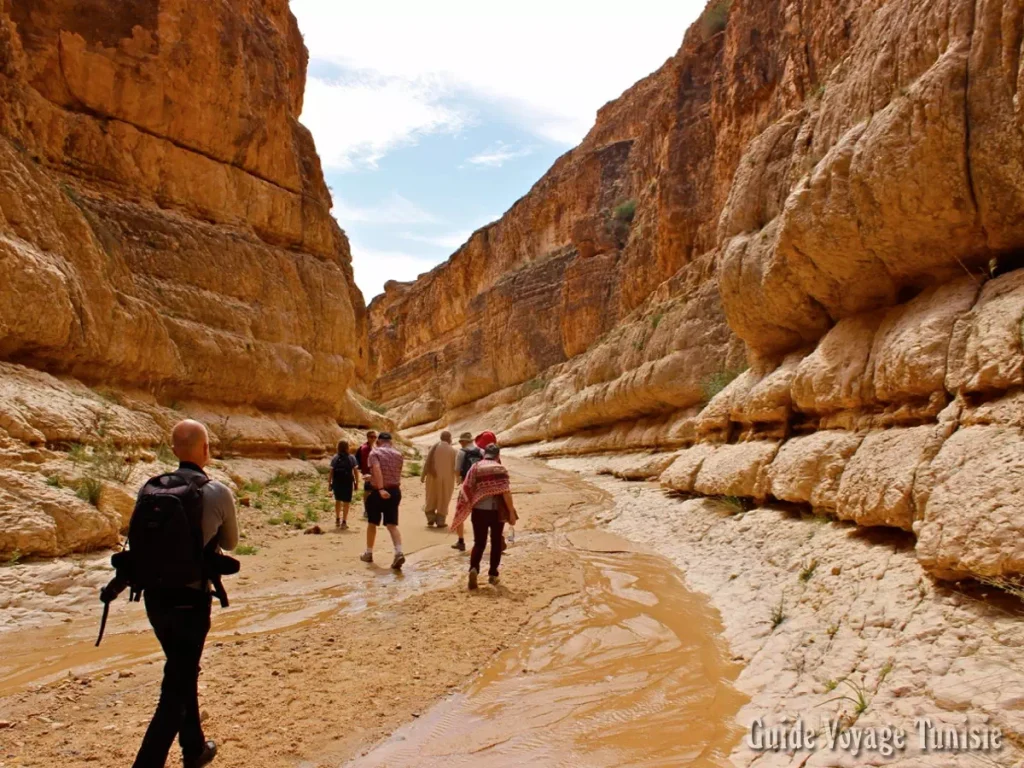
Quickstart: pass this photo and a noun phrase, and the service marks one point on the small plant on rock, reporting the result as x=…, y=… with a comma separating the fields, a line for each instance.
x=89, y=489
x=716, y=382
x=808, y=571
x=830, y=685
x=14, y=558
x=54, y=481
x=859, y=698
x=625, y=211
x=778, y=613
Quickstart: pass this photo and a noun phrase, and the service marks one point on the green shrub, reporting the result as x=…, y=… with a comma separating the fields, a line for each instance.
x=78, y=453
x=312, y=516
x=716, y=17
x=415, y=469
x=89, y=489
x=246, y=549
x=716, y=382
x=54, y=481
x=111, y=464
x=625, y=212
x=536, y=383
x=14, y=558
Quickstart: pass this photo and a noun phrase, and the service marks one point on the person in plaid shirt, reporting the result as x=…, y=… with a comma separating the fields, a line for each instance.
x=382, y=502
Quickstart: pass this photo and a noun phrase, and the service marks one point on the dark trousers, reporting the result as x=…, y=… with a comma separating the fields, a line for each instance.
x=181, y=620
x=486, y=521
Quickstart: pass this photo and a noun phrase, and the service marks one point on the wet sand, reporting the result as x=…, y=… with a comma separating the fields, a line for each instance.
x=589, y=652
x=628, y=672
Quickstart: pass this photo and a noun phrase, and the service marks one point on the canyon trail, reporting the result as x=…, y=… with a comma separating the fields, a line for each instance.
x=320, y=656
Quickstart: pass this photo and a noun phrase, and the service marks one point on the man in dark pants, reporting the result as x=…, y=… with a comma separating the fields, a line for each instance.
x=363, y=458
x=181, y=620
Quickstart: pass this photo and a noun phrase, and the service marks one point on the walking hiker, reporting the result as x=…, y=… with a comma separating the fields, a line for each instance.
x=180, y=523
x=486, y=498
x=384, y=497
x=343, y=477
x=469, y=454
x=439, y=472
x=363, y=457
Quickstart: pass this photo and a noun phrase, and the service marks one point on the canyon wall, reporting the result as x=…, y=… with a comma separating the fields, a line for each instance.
x=788, y=260
x=166, y=244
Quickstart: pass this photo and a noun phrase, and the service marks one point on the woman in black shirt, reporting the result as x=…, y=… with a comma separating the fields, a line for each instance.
x=343, y=477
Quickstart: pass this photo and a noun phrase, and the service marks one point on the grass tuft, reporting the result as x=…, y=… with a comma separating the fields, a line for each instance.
x=89, y=489
x=54, y=481
x=778, y=613
x=14, y=558
x=625, y=212
x=808, y=570
x=716, y=382
x=415, y=469
x=246, y=549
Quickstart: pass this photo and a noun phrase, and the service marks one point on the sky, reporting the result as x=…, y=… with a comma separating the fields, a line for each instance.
x=431, y=119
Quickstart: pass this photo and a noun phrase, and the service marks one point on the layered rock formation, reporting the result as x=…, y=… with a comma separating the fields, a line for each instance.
x=166, y=244
x=815, y=300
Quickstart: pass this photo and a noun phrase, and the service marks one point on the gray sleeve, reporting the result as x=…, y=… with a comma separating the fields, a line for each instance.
x=219, y=515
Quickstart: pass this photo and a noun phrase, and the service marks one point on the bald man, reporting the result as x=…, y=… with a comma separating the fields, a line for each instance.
x=181, y=618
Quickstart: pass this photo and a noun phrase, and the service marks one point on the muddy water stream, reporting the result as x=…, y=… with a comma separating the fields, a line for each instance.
x=630, y=673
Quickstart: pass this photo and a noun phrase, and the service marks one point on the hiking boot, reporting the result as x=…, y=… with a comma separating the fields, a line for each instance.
x=459, y=545
x=344, y=525
x=337, y=522
x=203, y=758
x=473, y=574
x=366, y=557
x=493, y=579
x=430, y=523
x=398, y=562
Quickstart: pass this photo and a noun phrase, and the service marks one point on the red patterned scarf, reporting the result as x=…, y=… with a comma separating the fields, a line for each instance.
x=486, y=478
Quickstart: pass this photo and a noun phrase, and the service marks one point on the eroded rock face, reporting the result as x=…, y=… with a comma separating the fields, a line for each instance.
x=164, y=205
x=166, y=248
x=818, y=298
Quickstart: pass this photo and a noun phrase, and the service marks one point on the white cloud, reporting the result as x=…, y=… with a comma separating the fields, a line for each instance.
x=498, y=154
x=393, y=210
x=373, y=267
x=548, y=66
x=357, y=121
x=449, y=240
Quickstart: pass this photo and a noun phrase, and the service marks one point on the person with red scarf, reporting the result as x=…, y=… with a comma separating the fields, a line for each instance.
x=486, y=498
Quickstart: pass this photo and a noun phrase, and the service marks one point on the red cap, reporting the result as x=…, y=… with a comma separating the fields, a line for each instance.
x=485, y=438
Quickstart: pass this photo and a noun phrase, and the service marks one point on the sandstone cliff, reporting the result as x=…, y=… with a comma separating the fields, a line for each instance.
x=814, y=300
x=166, y=244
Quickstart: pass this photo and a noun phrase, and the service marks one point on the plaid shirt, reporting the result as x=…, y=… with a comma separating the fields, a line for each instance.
x=390, y=462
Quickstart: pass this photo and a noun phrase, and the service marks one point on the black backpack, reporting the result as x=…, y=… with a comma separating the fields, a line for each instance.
x=165, y=543
x=470, y=456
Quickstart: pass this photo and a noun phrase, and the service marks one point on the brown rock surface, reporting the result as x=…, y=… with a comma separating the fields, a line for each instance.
x=166, y=247
x=162, y=198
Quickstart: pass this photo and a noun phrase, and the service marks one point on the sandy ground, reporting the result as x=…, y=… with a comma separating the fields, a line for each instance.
x=319, y=656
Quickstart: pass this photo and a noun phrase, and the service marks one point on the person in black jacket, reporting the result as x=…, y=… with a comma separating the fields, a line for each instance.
x=181, y=620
